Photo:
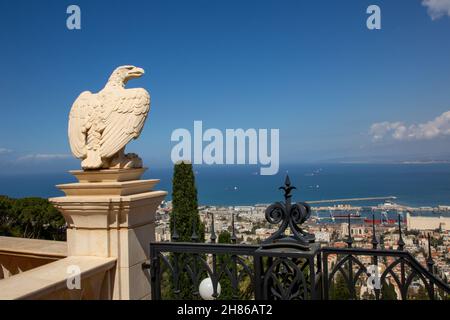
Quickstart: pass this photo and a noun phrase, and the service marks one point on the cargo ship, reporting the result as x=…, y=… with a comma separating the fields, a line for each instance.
x=379, y=221
x=386, y=218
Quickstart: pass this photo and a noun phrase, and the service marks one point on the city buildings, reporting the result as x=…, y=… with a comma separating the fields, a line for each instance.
x=250, y=226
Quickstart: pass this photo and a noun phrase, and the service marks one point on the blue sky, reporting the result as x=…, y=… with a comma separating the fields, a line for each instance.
x=310, y=68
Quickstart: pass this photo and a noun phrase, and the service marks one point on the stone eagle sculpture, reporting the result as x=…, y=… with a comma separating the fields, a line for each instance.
x=101, y=124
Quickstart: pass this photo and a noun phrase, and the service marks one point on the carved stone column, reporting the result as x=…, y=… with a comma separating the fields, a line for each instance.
x=111, y=213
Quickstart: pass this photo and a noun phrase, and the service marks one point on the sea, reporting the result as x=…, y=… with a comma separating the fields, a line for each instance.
x=412, y=184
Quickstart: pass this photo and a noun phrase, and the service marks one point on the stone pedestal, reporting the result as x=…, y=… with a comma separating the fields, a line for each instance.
x=111, y=213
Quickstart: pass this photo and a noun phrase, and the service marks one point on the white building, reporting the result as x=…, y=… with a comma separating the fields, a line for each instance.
x=323, y=236
x=427, y=223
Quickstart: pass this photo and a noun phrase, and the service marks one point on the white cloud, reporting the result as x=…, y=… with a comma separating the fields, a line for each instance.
x=44, y=156
x=5, y=151
x=438, y=127
x=437, y=8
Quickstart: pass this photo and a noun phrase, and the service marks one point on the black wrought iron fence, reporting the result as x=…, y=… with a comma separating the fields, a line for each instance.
x=403, y=277
x=290, y=266
x=222, y=263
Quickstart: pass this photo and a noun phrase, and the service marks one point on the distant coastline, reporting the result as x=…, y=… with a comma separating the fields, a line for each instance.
x=414, y=184
x=396, y=162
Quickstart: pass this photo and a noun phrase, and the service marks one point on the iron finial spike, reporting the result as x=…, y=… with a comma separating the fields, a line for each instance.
x=429, y=244
x=374, y=237
x=400, y=243
x=430, y=261
x=287, y=188
x=175, y=235
x=233, y=234
x=349, y=239
x=287, y=181
x=213, y=233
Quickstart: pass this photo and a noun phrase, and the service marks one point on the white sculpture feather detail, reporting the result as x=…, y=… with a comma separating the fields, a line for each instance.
x=102, y=124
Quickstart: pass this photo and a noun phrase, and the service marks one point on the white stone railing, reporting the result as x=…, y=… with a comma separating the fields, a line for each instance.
x=50, y=281
x=19, y=254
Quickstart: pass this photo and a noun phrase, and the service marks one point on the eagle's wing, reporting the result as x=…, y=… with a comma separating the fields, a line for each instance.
x=124, y=121
x=78, y=121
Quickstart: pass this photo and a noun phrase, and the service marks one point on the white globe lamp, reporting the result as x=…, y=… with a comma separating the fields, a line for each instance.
x=206, y=289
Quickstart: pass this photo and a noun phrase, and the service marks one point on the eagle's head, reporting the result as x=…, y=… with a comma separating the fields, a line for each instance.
x=122, y=74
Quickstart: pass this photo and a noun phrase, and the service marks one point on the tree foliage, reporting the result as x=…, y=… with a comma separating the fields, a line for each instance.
x=187, y=219
x=339, y=289
x=34, y=218
x=420, y=294
x=225, y=259
x=185, y=204
x=388, y=291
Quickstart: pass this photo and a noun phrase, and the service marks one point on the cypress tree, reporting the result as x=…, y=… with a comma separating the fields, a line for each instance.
x=225, y=283
x=245, y=286
x=185, y=204
x=388, y=291
x=187, y=222
x=339, y=289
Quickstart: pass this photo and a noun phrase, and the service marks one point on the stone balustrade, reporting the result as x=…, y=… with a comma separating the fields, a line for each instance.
x=19, y=255
x=50, y=281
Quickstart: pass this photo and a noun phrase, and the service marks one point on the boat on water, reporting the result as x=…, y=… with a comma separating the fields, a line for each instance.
x=343, y=215
x=386, y=218
x=380, y=221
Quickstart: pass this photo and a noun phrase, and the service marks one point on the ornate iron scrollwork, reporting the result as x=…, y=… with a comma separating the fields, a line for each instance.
x=289, y=215
x=286, y=279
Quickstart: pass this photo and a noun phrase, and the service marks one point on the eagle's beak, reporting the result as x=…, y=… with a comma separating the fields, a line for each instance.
x=136, y=72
